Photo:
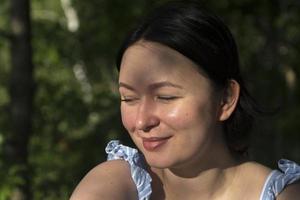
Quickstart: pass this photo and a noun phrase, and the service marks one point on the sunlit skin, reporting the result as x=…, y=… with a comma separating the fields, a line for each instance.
x=165, y=95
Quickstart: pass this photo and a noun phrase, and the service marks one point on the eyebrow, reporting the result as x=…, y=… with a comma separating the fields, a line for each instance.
x=121, y=84
x=153, y=86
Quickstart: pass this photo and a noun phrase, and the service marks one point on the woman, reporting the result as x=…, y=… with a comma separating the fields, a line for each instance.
x=185, y=106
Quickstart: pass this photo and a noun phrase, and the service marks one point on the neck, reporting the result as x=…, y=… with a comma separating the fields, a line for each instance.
x=207, y=177
x=207, y=184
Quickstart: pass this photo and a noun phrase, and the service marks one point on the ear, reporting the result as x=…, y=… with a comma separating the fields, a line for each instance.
x=229, y=100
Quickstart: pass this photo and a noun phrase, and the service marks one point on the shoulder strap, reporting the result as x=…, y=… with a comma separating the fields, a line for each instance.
x=139, y=174
x=278, y=179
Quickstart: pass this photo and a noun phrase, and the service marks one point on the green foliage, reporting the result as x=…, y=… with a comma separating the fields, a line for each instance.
x=8, y=178
x=76, y=106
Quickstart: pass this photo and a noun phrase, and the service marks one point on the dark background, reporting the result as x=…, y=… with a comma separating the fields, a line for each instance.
x=58, y=97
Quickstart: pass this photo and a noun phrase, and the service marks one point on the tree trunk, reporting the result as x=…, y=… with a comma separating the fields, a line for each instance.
x=21, y=96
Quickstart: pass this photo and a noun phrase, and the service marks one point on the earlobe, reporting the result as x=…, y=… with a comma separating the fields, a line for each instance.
x=229, y=100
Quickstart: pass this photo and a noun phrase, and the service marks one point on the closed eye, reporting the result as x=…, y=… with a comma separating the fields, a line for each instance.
x=167, y=98
x=128, y=99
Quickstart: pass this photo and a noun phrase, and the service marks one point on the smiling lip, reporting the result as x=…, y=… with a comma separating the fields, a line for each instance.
x=152, y=144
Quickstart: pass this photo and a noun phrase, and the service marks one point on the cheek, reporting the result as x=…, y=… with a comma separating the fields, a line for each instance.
x=128, y=118
x=184, y=116
x=177, y=117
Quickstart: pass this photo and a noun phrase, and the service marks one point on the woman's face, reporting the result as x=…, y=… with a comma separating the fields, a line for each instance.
x=168, y=107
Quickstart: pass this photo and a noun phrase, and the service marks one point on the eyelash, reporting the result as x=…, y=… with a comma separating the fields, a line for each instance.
x=128, y=99
x=160, y=98
x=166, y=98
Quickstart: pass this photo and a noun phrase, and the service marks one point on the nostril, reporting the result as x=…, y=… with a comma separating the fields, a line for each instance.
x=148, y=123
x=148, y=128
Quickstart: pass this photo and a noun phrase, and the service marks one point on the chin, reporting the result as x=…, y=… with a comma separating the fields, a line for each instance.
x=158, y=165
x=159, y=162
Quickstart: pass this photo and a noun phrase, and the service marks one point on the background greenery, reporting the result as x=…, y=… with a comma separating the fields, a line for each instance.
x=76, y=106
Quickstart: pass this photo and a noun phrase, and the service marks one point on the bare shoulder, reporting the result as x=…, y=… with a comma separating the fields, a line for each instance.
x=291, y=192
x=259, y=168
x=108, y=180
x=261, y=172
x=252, y=179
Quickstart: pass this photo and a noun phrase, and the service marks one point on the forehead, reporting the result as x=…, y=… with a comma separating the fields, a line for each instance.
x=147, y=63
x=155, y=57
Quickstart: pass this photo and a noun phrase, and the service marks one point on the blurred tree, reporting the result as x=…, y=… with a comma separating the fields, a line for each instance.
x=21, y=97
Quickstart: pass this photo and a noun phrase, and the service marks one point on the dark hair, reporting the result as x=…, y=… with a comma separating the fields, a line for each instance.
x=203, y=38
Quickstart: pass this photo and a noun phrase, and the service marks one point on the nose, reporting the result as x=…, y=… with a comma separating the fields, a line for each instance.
x=146, y=119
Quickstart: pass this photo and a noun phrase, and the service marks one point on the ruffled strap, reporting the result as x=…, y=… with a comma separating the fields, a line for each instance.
x=139, y=174
x=278, y=180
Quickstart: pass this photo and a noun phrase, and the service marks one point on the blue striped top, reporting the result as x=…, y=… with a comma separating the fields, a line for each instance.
x=288, y=172
x=139, y=174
